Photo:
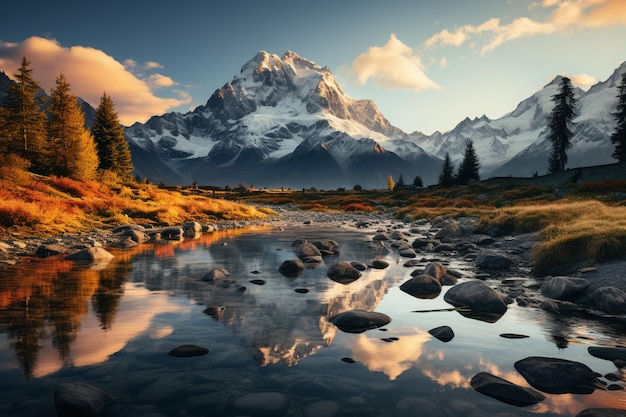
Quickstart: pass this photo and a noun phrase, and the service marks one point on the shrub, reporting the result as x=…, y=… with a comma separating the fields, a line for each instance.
x=358, y=207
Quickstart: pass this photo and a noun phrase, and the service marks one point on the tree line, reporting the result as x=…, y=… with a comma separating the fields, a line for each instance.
x=47, y=135
x=560, y=132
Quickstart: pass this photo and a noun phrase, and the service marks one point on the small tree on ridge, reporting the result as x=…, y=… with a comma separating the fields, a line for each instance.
x=446, y=178
x=468, y=170
x=618, y=138
x=559, y=125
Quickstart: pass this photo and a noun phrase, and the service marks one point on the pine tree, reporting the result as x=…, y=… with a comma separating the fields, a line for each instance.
x=468, y=170
x=108, y=133
x=23, y=119
x=417, y=182
x=559, y=125
x=400, y=180
x=391, y=183
x=619, y=136
x=74, y=150
x=446, y=178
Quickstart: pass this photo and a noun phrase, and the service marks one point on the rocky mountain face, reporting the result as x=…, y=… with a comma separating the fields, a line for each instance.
x=285, y=122
x=516, y=144
x=282, y=122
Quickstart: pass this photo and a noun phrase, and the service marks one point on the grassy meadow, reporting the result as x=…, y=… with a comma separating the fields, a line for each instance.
x=586, y=225
x=33, y=205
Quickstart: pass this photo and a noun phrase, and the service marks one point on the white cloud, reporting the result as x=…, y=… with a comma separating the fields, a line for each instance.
x=393, y=66
x=565, y=15
x=91, y=72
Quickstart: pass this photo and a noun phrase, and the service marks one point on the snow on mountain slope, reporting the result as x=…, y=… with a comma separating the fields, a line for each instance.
x=284, y=121
x=278, y=109
x=515, y=144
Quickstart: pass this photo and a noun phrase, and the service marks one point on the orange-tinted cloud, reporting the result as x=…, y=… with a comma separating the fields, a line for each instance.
x=92, y=72
x=566, y=14
x=393, y=66
x=392, y=359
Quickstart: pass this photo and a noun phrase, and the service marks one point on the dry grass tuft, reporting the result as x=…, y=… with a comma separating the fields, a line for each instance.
x=38, y=205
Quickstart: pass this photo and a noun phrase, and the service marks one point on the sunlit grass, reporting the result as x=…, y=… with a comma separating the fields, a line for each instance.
x=36, y=205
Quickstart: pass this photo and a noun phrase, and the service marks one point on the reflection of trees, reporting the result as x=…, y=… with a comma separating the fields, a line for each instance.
x=47, y=299
x=24, y=324
x=106, y=299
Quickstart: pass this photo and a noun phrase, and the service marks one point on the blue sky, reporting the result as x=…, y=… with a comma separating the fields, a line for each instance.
x=426, y=64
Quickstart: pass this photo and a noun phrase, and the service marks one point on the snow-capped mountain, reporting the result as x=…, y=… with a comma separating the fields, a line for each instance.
x=282, y=122
x=516, y=144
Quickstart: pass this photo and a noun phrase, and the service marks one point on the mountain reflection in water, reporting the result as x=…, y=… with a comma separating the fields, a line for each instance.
x=61, y=320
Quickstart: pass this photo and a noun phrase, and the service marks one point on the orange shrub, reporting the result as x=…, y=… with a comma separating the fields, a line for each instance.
x=358, y=207
x=602, y=186
x=464, y=202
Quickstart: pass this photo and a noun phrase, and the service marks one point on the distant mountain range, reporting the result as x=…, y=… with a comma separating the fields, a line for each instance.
x=285, y=122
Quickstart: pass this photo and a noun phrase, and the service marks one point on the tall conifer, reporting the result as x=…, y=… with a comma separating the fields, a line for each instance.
x=559, y=125
x=113, y=150
x=74, y=150
x=446, y=178
x=24, y=121
x=468, y=170
x=619, y=136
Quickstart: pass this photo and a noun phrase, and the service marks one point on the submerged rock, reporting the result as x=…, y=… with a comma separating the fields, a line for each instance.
x=422, y=286
x=557, y=376
x=291, y=268
x=343, y=272
x=505, y=391
x=187, y=351
x=358, y=321
x=442, y=333
x=608, y=353
x=261, y=404
x=477, y=296
x=216, y=274
x=74, y=399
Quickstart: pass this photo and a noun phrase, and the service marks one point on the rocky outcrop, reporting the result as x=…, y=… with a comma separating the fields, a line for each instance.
x=343, y=272
x=291, y=268
x=358, y=321
x=422, y=286
x=477, y=297
x=505, y=391
x=564, y=288
x=557, y=376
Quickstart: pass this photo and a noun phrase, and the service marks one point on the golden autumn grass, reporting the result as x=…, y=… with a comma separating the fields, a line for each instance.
x=586, y=226
x=34, y=205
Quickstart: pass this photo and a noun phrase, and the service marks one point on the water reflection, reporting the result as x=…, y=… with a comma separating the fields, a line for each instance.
x=58, y=315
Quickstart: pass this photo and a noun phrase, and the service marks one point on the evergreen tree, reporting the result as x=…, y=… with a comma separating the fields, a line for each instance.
x=74, y=150
x=23, y=119
x=108, y=133
x=619, y=136
x=417, y=182
x=400, y=180
x=468, y=170
x=446, y=178
x=391, y=183
x=559, y=125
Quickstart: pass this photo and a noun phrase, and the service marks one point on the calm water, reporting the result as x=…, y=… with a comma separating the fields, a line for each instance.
x=112, y=326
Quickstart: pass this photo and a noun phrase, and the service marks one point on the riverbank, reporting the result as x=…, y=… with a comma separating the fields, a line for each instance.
x=496, y=252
